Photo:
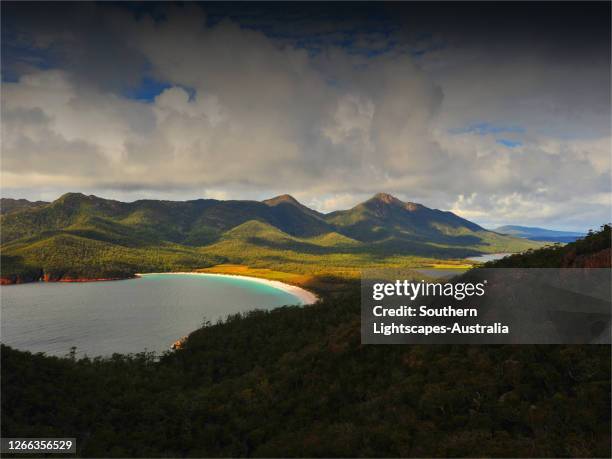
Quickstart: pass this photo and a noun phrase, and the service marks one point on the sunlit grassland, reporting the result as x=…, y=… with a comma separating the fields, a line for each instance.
x=321, y=271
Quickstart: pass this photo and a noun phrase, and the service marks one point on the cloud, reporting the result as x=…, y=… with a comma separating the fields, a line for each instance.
x=242, y=114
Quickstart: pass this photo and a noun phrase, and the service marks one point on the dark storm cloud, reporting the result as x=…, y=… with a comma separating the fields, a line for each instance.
x=79, y=37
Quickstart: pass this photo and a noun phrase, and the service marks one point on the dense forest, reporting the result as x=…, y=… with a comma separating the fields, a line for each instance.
x=297, y=382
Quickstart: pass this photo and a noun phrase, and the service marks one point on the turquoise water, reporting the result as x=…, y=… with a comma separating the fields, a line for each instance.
x=127, y=316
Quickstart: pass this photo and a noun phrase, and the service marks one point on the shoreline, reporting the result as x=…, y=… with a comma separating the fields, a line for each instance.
x=305, y=296
x=4, y=281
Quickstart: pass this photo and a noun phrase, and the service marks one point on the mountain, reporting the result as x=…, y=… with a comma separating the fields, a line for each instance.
x=539, y=234
x=390, y=222
x=288, y=201
x=95, y=237
x=384, y=216
x=10, y=205
x=187, y=222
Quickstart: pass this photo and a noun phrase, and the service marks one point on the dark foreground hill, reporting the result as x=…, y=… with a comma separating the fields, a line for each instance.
x=296, y=382
x=80, y=236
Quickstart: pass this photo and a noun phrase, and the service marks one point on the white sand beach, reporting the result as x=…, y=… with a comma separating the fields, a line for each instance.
x=305, y=296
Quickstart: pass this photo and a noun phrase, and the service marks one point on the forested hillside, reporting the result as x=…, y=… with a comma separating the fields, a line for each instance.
x=296, y=382
x=591, y=251
x=80, y=236
x=8, y=205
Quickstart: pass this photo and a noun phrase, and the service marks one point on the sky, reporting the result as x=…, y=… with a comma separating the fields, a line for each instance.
x=497, y=112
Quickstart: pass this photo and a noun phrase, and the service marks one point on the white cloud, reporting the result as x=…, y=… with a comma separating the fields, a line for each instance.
x=248, y=116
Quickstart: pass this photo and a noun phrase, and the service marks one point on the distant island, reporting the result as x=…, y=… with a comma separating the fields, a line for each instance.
x=79, y=237
x=539, y=234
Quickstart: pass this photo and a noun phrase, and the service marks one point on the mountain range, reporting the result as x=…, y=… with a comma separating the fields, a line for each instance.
x=80, y=236
x=539, y=234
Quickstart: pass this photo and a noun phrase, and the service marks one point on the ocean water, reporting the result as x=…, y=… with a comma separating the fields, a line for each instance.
x=127, y=316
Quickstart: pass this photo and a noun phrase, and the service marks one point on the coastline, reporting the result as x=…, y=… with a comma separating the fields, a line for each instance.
x=18, y=280
x=305, y=296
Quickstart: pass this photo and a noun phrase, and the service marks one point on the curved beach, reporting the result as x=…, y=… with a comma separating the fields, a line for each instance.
x=305, y=296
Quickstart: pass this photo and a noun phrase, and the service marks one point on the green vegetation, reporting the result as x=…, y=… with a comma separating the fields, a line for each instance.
x=296, y=382
x=68, y=256
x=89, y=237
x=561, y=255
x=11, y=205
